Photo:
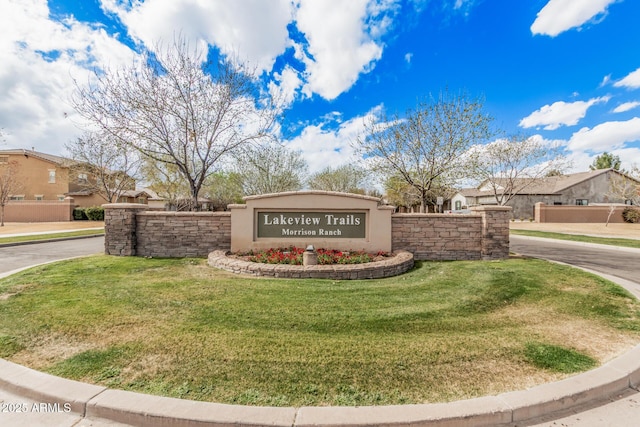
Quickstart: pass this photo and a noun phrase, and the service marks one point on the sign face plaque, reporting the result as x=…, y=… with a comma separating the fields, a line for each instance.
x=321, y=224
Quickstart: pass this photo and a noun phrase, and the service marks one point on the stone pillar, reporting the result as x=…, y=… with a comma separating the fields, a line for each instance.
x=72, y=205
x=538, y=212
x=120, y=228
x=495, y=231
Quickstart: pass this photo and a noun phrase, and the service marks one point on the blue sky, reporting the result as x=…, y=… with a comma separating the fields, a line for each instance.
x=566, y=71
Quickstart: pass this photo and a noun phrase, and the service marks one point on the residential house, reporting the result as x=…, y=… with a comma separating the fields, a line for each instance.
x=47, y=177
x=584, y=188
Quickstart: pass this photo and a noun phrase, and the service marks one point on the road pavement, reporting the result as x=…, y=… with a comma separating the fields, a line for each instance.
x=613, y=261
x=14, y=258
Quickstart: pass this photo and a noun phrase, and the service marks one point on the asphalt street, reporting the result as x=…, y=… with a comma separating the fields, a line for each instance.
x=22, y=256
x=623, y=263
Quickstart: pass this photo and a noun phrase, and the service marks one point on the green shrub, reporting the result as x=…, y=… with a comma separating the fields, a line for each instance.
x=95, y=213
x=79, y=214
x=631, y=215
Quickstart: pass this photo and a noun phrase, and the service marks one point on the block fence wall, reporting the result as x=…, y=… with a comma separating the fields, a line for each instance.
x=576, y=214
x=130, y=230
x=39, y=210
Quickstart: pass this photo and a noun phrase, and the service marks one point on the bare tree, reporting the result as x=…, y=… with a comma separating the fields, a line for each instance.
x=625, y=188
x=270, y=168
x=9, y=184
x=347, y=178
x=508, y=166
x=427, y=146
x=102, y=166
x=175, y=108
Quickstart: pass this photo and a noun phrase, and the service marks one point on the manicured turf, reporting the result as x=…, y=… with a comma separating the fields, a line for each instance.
x=443, y=331
x=629, y=243
x=37, y=237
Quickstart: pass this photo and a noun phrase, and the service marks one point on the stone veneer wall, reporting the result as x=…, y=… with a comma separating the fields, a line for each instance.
x=438, y=236
x=182, y=234
x=483, y=234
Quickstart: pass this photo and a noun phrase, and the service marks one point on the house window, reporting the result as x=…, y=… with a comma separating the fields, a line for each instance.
x=60, y=198
x=628, y=202
x=14, y=198
x=52, y=176
x=39, y=197
x=458, y=205
x=141, y=200
x=557, y=203
x=4, y=159
x=582, y=202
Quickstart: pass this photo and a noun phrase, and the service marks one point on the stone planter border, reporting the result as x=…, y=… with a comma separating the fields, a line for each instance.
x=400, y=263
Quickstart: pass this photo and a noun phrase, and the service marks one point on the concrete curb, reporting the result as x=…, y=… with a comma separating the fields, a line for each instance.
x=96, y=402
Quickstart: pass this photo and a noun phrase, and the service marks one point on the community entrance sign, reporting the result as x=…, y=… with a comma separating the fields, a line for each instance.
x=312, y=224
x=320, y=218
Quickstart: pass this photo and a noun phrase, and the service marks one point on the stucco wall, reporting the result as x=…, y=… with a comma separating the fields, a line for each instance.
x=578, y=214
x=39, y=211
x=378, y=225
x=33, y=174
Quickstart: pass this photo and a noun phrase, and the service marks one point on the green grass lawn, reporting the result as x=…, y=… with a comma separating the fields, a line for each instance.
x=36, y=237
x=444, y=331
x=629, y=243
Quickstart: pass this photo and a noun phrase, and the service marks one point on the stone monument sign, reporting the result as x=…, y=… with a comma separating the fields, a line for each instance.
x=320, y=218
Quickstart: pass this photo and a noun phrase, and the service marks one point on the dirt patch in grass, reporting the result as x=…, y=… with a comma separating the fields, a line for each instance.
x=50, y=349
x=585, y=335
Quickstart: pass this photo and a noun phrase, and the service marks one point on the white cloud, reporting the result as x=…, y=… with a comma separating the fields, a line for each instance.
x=560, y=114
x=408, y=57
x=342, y=43
x=626, y=107
x=253, y=30
x=285, y=85
x=605, y=80
x=558, y=16
x=606, y=136
x=631, y=81
x=323, y=147
x=342, y=37
x=39, y=59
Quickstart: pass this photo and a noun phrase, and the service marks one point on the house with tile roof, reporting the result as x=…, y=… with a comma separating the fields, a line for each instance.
x=47, y=177
x=583, y=189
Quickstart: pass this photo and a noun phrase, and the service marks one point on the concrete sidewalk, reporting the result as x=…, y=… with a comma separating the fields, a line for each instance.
x=32, y=228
